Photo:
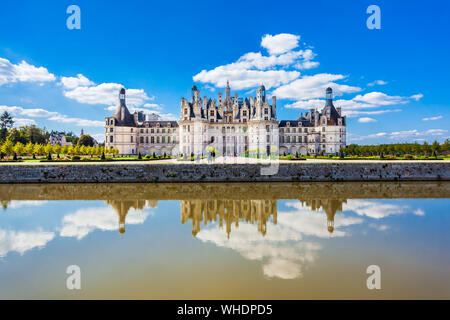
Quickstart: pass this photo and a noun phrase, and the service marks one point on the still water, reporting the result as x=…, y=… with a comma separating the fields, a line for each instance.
x=225, y=241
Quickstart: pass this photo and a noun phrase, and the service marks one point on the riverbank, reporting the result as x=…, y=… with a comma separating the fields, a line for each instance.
x=282, y=171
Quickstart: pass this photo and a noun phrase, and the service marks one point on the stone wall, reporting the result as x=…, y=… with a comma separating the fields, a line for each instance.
x=83, y=173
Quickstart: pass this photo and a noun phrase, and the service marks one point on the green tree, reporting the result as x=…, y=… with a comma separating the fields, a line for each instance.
x=48, y=148
x=8, y=147
x=57, y=149
x=16, y=136
x=19, y=148
x=86, y=140
x=65, y=149
x=29, y=148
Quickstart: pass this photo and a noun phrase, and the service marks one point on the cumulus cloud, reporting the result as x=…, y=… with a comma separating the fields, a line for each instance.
x=106, y=94
x=366, y=120
x=403, y=135
x=253, y=69
x=22, y=241
x=283, y=251
x=84, y=221
x=23, y=72
x=279, y=43
x=432, y=118
x=312, y=87
x=74, y=82
x=50, y=115
x=374, y=209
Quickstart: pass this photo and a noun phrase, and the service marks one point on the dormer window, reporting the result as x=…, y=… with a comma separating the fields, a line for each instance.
x=288, y=124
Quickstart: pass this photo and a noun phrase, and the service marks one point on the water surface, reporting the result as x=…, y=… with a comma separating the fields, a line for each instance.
x=225, y=241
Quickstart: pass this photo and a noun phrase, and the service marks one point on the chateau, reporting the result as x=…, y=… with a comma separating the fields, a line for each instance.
x=230, y=126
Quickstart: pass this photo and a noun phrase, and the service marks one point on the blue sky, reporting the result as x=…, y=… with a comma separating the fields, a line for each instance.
x=392, y=83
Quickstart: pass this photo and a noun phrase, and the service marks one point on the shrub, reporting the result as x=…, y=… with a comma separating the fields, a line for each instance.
x=76, y=158
x=147, y=157
x=139, y=156
x=290, y=157
x=103, y=156
x=408, y=156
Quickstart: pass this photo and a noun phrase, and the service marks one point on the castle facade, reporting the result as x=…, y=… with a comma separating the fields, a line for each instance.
x=228, y=126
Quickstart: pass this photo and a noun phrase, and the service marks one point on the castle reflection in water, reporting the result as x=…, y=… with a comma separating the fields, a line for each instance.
x=227, y=213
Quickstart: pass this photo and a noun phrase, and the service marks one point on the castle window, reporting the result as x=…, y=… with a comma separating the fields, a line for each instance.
x=146, y=139
x=146, y=130
x=266, y=111
x=244, y=120
x=288, y=124
x=142, y=130
x=152, y=130
x=268, y=138
x=168, y=139
x=131, y=137
x=111, y=139
x=131, y=129
x=323, y=129
x=244, y=113
x=111, y=129
x=157, y=140
x=163, y=130
x=185, y=111
x=152, y=139
x=266, y=118
x=141, y=140
x=211, y=113
x=163, y=139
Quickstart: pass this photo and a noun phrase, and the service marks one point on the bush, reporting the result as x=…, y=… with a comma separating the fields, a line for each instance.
x=139, y=156
x=76, y=158
x=147, y=157
x=408, y=156
x=290, y=157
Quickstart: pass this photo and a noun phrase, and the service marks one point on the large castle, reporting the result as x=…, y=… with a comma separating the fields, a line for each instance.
x=229, y=126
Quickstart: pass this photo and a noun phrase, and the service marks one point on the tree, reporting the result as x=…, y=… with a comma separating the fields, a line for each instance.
x=86, y=140
x=29, y=148
x=83, y=149
x=57, y=149
x=38, y=149
x=8, y=147
x=18, y=148
x=6, y=121
x=48, y=148
x=16, y=136
x=65, y=149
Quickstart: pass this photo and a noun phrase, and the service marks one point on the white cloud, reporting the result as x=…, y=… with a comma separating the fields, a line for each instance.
x=382, y=99
x=282, y=250
x=74, y=82
x=18, y=204
x=253, y=69
x=355, y=113
x=279, y=43
x=313, y=87
x=23, y=72
x=366, y=120
x=374, y=209
x=19, y=122
x=419, y=212
x=84, y=221
x=50, y=115
x=22, y=241
x=432, y=118
x=377, y=82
